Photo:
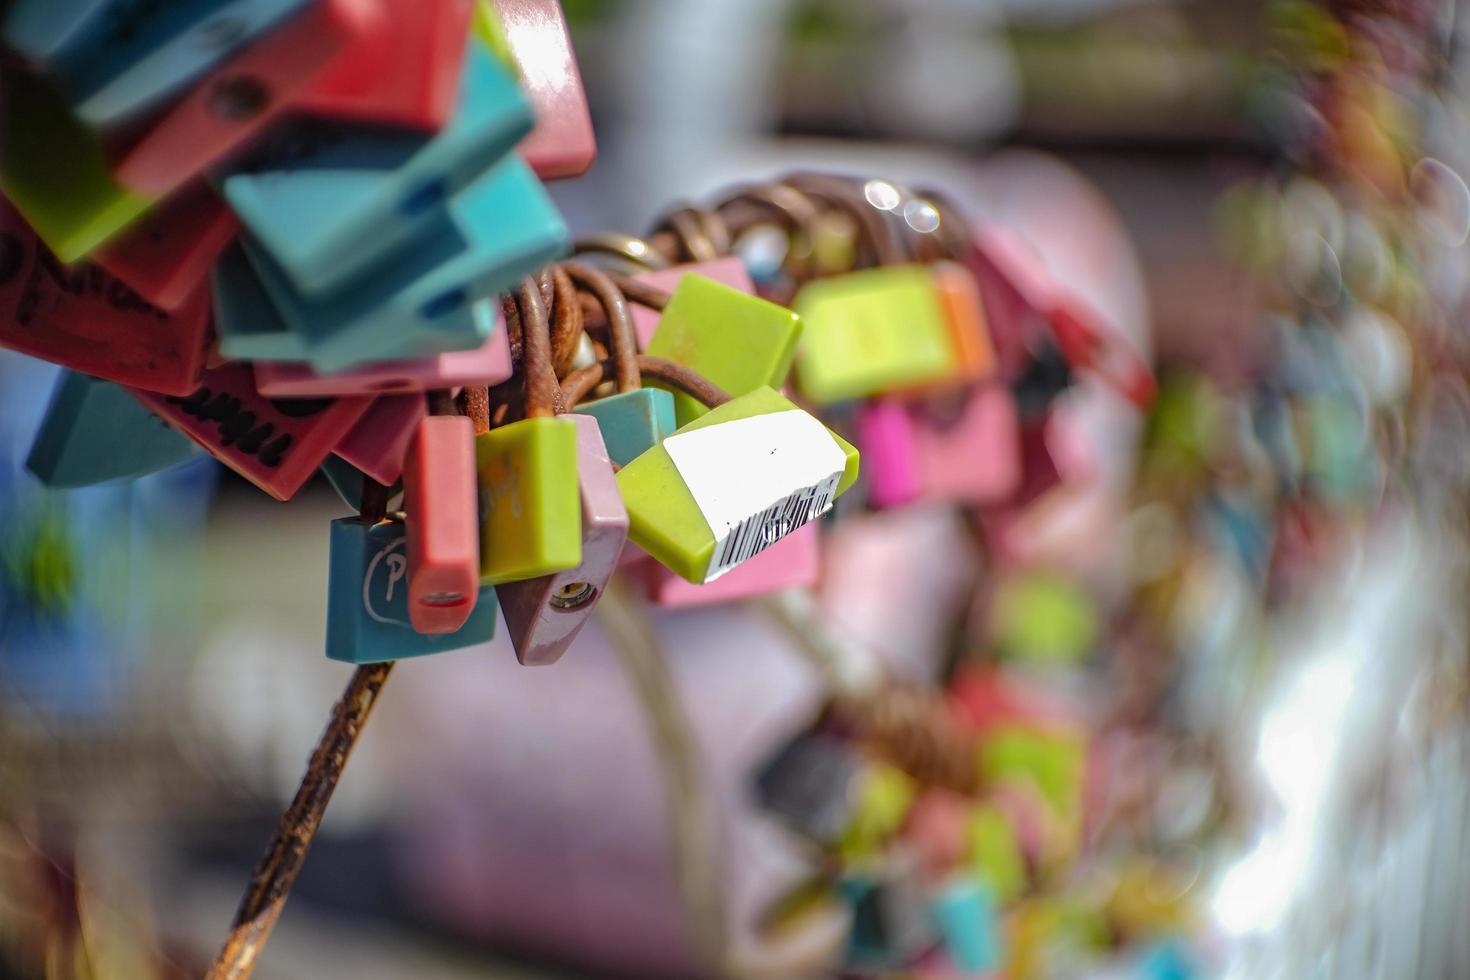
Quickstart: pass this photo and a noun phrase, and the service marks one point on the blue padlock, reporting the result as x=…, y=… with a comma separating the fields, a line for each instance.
x=965, y=912
x=367, y=602
x=499, y=229
x=39, y=30
x=331, y=202
x=131, y=55
x=94, y=432
x=246, y=322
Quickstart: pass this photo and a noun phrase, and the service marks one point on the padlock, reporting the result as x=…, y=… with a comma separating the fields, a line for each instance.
x=349, y=481
x=240, y=96
x=739, y=342
x=729, y=271
x=794, y=562
x=1052, y=761
x=544, y=615
x=168, y=252
x=489, y=30
x=1018, y=292
x=562, y=144
x=247, y=323
x=94, y=432
x=86, y=320
x=968, y=921
x=53, y=170
x=488, y=364
x=274, y=444
x=732, y=483
x=870, y=332
x=378, y=444
x=333, y=204
x=135, y=55
x=809, y=785
x=423, y=302
x=368, y=603
x=964, y=314
x=886, y=436
x=439, y=503
x=530, y=501
x=891, y=924
x=993, y=852
x=633, y=419
x=404, y=73
x=39, y=30
x=967, y=446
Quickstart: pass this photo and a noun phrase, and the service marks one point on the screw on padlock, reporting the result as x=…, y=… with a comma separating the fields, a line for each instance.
x=83, y=318
x=239, y=97
x=168, y=252
x=94, y=432
x=530, y=506
x=439, y=502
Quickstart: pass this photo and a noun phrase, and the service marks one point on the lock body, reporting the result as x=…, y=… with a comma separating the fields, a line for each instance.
x=703, y=506
x=530, y=505
x=38, y=30
x=970, y=453
x=84, y=319
x=241, y=95
x=94, y=432
x=794, y=562
x=886, y=434
x=168, y=252
x=545, y=614
x=968, y=923
x=404, y=73
x=247, y=323
x=330, y=202
x=871, y=332
x=367, y=599
x=274, y=444
x=439, y=499
x=562, y=143
x=964, y=314
x=729, y=271
x=632, y=422
x=737, y=341
x=378, y=444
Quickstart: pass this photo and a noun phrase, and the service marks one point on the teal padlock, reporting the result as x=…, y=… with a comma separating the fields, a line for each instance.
x=633, y=419
x=95, y=432
x=247, y=323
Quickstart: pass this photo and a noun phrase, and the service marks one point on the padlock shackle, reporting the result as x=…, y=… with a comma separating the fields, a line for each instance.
x=474, y=401
x=701, y=232
x=623, y=338
x=541, y=392
x=580, y=383
x=871, y=223
x=629, y=247
x=567, y=320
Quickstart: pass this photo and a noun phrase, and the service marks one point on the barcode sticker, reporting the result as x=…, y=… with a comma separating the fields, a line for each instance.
x=757, y=480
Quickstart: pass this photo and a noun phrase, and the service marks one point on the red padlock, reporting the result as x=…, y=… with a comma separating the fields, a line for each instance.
x=378, y=443
x=442, y=522
x=168, y=252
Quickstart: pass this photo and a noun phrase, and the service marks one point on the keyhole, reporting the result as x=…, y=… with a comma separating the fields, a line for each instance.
x=442, y=599
x=573, y=595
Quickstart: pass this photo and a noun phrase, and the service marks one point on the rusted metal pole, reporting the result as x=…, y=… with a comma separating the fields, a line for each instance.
x=273, y=877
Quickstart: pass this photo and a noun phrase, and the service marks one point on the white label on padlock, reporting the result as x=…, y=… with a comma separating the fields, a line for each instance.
x=758, y=479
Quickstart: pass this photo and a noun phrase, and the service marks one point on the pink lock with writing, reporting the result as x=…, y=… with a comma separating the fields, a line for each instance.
x=442, y=524
x=378, y=443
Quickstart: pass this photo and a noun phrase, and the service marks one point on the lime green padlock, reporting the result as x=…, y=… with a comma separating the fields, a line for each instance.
x=530, y=511
x=739, y=342
x=733, y=482
x=870, y=332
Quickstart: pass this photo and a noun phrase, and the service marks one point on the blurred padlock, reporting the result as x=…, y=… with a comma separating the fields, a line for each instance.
x=367, y=599
x=332, y=203
x=885, y=434
x=84, y=319
x=562, y=144
x=247, y=323
x=1018, y=292
x=810, y=785
x=964, y=314
x=168, y=252
x=870, y=332
x=497, y=230
x=729, y=271
x=734, y=482
x=274, y=444
x=993, y=852
x=967, y=445
x=404, y=73
x=530, y=500
x=378, y=444
x=38, y=30
x=94, y=431
x=439, y=503
x=240, y=96
x=544, y=615
x=968, y=921
x=794, y=562
x=738, y=342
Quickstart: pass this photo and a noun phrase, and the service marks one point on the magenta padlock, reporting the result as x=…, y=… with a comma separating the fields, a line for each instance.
x=544, y=615
x=378, y=443
x=729, y=271
x=968, y=453
x=441, y=508
x=794, y=562
x=1017, y=291
x=887, y=439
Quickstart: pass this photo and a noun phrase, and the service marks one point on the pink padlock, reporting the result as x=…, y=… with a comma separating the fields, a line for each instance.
x=488, y=364
x=968, y=453
x=1017, y=290
x=729, y=271
x=167, y=254
x=887, y=439
x=378, y=443
x=794, y=562
x=562, y=144
x=442, y=524
x=240, y=97
x=544, y=615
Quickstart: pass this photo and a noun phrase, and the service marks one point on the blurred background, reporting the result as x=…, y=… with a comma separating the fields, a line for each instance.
x=1236, y=618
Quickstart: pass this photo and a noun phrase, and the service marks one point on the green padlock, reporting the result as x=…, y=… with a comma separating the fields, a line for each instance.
x=739, y=342
x=530, y=511
x=870, y=332
x=733, y=482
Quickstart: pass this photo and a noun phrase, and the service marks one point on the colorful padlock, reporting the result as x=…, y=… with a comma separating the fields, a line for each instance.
x=562, y=144
x=530, y=501
x=966, y=914
x=732, y=483
x=330, y=203
x=276, y=445
x=168, y=252
x=738, y=342
x=39, y=30
x=794, y=562
x=367, y=600
x=404, y=73
x=885, y=434
x=967, y=445
x=247, y=323
x=964, y=314
x=239, y=97
x=94, y=432
x=439, y=503
x=86, y=320
x=729, y=271
x=378, y=444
